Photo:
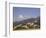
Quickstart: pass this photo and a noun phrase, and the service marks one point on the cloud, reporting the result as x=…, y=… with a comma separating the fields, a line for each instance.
x=20, y=16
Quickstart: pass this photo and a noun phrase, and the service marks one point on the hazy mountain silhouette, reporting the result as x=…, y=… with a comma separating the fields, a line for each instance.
x=27, y=20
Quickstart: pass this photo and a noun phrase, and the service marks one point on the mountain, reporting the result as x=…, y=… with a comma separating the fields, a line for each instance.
x=27, y=20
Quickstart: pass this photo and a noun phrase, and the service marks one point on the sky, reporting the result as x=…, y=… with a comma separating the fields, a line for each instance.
x=22, y=13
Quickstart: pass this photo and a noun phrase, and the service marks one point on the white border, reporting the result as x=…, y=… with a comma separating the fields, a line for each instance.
x=14, y=33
